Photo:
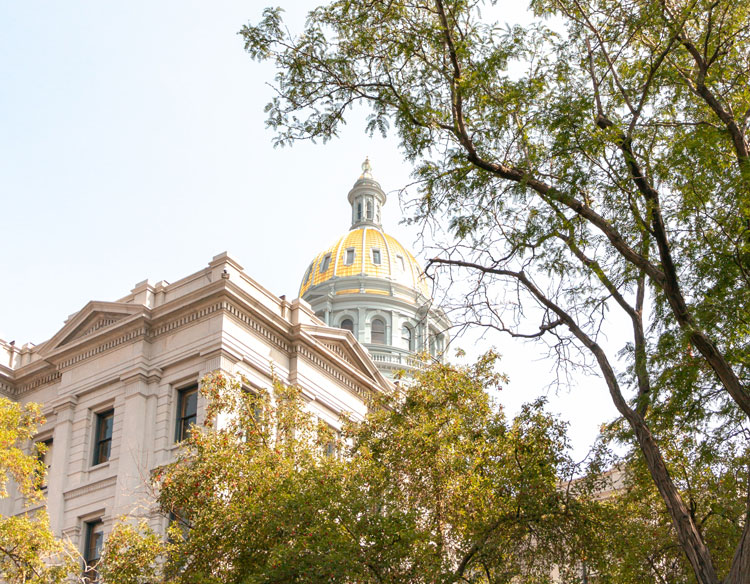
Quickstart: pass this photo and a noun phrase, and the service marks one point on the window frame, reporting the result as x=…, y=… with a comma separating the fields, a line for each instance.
x=408, y=337
x=348, y=261
x=94, y=527
x=307, y=275
x=380, y=320
x=48, y=443
x=181, y=430
x=343, y=320
x=325, y=263
x=101, y=417
x=379, y=260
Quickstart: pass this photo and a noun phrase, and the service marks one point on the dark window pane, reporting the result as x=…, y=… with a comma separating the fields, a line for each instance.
x=376, y=256
x=46, y=459
x=93, y=549
x=347, y=324
x=103, y=439
x=406, y=338
x=378, y=331
x=187, y=410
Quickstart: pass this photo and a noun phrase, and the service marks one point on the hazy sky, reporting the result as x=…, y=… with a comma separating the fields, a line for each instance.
x=133, y=146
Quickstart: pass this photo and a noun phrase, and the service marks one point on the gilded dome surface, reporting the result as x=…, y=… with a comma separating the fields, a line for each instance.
x=366, y=251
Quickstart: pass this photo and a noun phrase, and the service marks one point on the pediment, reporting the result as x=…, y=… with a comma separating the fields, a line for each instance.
x=90, y=320
x=342, y=345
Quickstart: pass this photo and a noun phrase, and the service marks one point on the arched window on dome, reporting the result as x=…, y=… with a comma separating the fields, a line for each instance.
x=347, y=324
x=377, y=331
x=369, y=209
x=407, y=339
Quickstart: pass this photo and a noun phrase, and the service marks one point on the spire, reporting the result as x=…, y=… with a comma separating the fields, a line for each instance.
x=366, y=199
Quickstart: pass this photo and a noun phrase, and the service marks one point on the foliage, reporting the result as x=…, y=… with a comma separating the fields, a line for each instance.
x=435, y=485
x=130, y=554
x=591, y=175
x=29, y=552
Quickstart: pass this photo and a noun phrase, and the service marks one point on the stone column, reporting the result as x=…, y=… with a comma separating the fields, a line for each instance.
x=361, y=328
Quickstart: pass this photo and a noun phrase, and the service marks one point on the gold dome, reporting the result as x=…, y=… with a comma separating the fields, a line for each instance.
x=370, y=252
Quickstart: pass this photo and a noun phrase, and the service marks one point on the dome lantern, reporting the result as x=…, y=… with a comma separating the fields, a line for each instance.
x=367, y=199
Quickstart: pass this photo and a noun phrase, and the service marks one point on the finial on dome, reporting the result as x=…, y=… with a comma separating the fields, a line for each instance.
x=366, y=168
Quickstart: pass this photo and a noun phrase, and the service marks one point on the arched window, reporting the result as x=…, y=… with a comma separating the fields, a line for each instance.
x=433, y=343
x=369, y=209
x=347, y=324
x=359, y=211
x=406, y=338
x=377, y=333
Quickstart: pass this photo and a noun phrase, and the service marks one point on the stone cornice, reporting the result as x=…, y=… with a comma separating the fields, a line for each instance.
x=221, y=296
x=365, y=393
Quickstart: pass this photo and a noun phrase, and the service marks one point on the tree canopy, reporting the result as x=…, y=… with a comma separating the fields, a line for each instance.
x=435, y=485
x=29, y=552
x=592, y=166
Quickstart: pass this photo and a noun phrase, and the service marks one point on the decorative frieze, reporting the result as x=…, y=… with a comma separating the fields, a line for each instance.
x=111, y=344
x=357, y=389
x=184, y=319
x=265, y=332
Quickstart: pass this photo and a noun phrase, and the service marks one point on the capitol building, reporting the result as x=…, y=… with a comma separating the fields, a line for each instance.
x=119, y=381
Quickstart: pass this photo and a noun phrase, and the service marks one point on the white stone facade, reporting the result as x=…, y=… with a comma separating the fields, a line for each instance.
x=134, y=356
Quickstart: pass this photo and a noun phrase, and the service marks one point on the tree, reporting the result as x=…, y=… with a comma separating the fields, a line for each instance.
x=595, y=172
x=29, y=552
x=434, y=486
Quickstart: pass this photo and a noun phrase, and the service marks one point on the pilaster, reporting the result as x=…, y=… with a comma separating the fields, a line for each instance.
x=136, y=456
x=57, y=481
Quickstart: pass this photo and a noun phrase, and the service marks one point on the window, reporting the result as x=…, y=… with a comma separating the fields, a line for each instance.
x=375, y=256
x=325, y=263
x=349, y=257
x=45, y=458
x=187, y=411
x=307, y=275
x=377, y=333
x=178, y=528
x=406, y=338
x=93, y=549
x=103, y=438
x=369, y=209
x=359, y=211
x=436, y=343
x=401, y=264
x=347, y=324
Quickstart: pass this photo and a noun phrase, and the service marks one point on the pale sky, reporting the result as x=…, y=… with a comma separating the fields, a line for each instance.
x=133, y=146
